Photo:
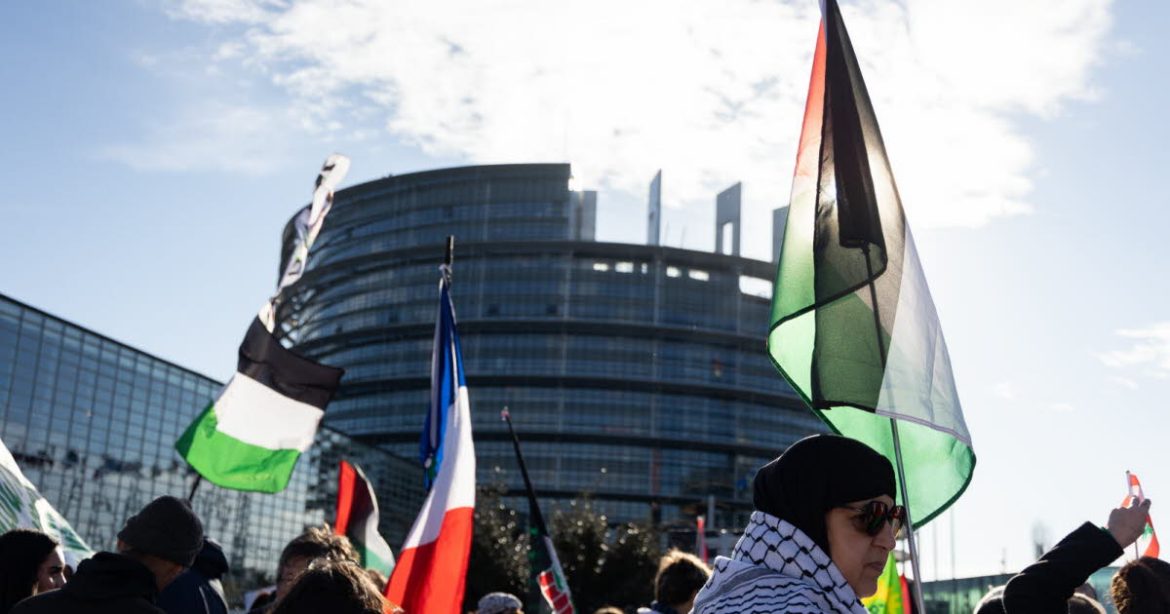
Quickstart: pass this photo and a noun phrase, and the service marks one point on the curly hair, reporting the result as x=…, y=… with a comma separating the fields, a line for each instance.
x=337, y=587
x=21, y=553
x=1142, y=587
x=319, y=542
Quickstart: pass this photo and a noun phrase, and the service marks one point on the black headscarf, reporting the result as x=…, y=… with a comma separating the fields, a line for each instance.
x=817, y=474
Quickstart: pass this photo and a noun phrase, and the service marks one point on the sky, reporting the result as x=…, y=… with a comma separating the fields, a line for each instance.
x=154, y=150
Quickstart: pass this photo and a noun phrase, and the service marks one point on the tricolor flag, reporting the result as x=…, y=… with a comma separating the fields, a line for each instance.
x=357, y=519
x=892, y=596
x=23, y=507
x=432, y=563
x=546, y=574
x=1148, y=537
x=853, y=327
x=251, y=436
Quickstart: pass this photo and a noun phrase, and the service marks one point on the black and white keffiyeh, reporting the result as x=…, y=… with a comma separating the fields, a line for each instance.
x=776, y=569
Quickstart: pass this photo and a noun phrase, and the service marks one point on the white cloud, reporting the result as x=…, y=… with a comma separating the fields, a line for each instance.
x=710, y=92
x=1062, y=408
x=211, y=137
x=1148, y=354
x=1005, y=390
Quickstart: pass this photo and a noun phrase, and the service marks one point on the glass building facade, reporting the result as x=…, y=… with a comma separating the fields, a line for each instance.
x=634, y=373
x=92, y=423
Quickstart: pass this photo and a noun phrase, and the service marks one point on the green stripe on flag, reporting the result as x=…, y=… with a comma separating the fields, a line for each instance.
x=231, y=463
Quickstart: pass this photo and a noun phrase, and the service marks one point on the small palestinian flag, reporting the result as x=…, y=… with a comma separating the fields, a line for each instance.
x=252, y=435
x=1148, y=536
x=357, y=519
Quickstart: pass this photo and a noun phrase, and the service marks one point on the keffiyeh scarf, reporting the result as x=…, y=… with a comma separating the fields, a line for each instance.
x=776, y=569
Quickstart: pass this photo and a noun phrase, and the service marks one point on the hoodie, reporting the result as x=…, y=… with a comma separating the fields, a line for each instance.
x=108, y=583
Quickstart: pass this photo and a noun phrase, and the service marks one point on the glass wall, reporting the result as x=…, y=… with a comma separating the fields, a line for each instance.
x=92, y=423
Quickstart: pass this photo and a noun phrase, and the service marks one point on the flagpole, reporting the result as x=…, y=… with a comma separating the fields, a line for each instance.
x=194, y=487
x=877, y=324
x=507, y=417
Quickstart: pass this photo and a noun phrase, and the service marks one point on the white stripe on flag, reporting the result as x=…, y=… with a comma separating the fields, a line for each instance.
x=258, y=415
x=455, y=485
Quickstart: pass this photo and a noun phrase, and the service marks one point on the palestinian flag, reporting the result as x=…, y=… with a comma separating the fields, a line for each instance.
x=892, y=596
x=251, y=436
x=853, y=326
x=1148, y=537
x=546, y=574
x=432, y=564
x=357, y=519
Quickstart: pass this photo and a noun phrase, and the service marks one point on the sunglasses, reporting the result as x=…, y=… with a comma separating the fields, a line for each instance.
x=872, y=517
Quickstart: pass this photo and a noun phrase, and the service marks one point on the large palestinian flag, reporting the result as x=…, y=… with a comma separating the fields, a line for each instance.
x=357, y=519
x=252, y=435
x=854, y=329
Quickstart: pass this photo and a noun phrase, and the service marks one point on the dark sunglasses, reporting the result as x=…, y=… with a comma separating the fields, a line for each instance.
x=873, y=516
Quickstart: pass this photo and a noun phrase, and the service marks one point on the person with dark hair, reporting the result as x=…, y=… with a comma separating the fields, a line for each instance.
x=823, y=527
x=198, y=590
x=30, y=563
x=1142, y=586
x=992, y=602
x=679, y=578
x=154, y=547
x=332, y=587
x=1047, y=585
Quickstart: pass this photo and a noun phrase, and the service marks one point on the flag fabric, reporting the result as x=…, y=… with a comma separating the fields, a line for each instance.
x=432, y=563
x=546, y=574
x=23, y=507
x=1148, y=541
x=701, y=538
x=848, y=268
x=357, y=519
x=307, y=225
x=251, y=436
x=892, y=596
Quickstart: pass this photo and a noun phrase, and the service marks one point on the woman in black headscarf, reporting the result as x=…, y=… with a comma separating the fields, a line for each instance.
x=824, y=525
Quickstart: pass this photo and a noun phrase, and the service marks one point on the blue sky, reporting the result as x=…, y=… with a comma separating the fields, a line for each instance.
x=154, y=150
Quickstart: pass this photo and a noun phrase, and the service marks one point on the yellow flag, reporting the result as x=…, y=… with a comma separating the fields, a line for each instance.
x=889, y=598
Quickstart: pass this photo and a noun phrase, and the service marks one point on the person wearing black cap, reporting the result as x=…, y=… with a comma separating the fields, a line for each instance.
x=824, y=525
x=199, y=589
x=154, y=547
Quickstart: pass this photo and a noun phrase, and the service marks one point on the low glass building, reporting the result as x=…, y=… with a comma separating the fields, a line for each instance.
x=635, y=373
x=92, y=423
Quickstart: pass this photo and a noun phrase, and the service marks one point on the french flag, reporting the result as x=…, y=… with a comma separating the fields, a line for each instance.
x=432, y=563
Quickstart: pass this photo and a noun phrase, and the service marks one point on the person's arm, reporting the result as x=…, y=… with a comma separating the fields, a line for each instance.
x=1046, y=585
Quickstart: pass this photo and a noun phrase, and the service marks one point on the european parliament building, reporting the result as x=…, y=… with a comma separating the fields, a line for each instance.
x=634, y=373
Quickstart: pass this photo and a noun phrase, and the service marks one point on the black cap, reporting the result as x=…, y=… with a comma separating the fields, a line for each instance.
x=816, y=474
x=166, y=528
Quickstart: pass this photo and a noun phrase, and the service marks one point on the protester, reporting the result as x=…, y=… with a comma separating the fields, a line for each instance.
x=198, y=590
x=314, y=543
x=154, y=547
x=30, y=563
x=823, y=526
x=1142, y=586
x=499, y=603
x=992, y=602
x=679, y=578
x=1048, y=584
x=330, y=586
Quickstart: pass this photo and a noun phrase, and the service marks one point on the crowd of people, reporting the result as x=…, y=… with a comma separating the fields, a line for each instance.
x=824, y=524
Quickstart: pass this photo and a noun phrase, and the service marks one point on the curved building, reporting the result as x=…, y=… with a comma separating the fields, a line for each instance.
x=635, y=373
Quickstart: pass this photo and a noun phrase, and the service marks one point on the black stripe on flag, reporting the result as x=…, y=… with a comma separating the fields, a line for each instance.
x=264, y=360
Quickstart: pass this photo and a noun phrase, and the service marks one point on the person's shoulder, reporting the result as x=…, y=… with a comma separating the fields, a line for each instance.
x=52, y=601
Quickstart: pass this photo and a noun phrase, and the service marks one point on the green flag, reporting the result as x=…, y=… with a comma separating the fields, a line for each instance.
x=853, y=326
x=891, y=596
